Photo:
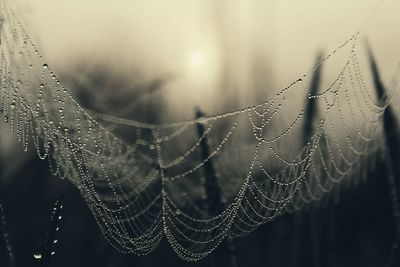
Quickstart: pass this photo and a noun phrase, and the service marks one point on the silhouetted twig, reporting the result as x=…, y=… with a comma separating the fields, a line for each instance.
x=213, y=194
x=212, y=188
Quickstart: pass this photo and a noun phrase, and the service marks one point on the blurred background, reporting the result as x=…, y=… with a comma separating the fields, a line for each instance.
x=155, y=61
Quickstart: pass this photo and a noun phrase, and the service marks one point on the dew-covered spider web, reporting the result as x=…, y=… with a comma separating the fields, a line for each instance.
x=151, y=185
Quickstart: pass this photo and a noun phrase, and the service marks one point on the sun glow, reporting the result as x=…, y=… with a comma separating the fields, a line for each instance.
x=200, y=64
x=197, y=59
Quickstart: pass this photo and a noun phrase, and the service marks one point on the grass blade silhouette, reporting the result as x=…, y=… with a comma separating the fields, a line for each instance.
x=306, y=225
x=392, y=140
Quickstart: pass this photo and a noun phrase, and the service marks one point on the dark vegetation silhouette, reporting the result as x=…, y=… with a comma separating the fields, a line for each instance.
x=392, y=141
x=225, y=253
x=305, y=224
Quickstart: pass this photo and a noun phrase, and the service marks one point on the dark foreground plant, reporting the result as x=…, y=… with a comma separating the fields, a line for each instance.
x=226, y=252
x=392, y=139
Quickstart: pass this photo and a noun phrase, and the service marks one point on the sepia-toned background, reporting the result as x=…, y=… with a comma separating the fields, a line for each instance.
x=167, y=57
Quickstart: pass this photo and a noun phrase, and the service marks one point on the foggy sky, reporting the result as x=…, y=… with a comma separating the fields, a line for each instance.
x=251, y=43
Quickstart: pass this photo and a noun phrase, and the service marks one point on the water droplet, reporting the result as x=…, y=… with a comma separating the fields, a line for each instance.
x=55, y=241
x=45, y=66
x=59, y=217
x=178, y=212
x=41, y=85
x=52, y=253
x=37, y=253
x=37, y=256
x=300, y=80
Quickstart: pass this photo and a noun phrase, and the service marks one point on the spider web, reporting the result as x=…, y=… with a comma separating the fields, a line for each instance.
x=153, y=185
